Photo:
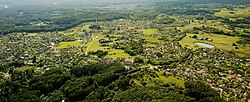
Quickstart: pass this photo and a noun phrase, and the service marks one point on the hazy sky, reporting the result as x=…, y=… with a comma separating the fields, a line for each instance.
x=64, y=2
x=16, y=3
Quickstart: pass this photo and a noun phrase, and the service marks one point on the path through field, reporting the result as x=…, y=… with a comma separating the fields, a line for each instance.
x=93, y=39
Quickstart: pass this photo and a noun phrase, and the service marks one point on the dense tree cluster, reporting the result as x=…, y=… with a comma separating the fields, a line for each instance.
x=99, y=53
x=41, y=20
x=95, y=82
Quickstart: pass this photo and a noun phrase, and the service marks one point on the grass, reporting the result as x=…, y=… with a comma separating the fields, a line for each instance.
x=209, y=23
x=39, y=24
x=137, y=82
x=86, y=27
x=114, y=53
x=69, y=44
x=95, y=45
x=151, y=39
x=219, y=41
x=171, y=80
x=233, y=14
x=149, y=35
x=188, y=42
x=191, y=26
x=150, y=31
x=32, y=34
x=163, y=79
x=243, y=51
x=25, y=68
x=149, y=45
x=74, y=30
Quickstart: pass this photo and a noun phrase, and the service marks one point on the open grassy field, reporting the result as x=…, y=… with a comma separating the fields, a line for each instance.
x=151, y=35
x=243, y=51
x=150, y=31
x=114, y=53
x=69, y=44
x=219, y=41
x=190, y=26
x=85, y=27
x=171, y=80
x=208, y=23
x=234, y=14
x=95, y=45
x=151, y=81
x=32, y=34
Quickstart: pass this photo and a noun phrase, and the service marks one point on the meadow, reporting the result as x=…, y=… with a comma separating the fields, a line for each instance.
x=233, y=14
x=219, y=41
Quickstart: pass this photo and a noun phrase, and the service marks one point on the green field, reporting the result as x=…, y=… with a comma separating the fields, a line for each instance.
x=190, y=26
x=32, y=34
x=171, y=80
x=208, y=23
x=161, y=78
x=219, y=41
x=114, y=53
x=233, y=14
x=85, y=27
x=150, y=31
x=151, y=35
x=95, y=45
x=69, y=44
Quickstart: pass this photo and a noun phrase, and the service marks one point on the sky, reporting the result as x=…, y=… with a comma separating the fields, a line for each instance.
x=64, y=2
x=21, y=3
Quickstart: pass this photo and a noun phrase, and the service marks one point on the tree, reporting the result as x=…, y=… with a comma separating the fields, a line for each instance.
x=95, y=27
x=202, y=92
x=138, y=60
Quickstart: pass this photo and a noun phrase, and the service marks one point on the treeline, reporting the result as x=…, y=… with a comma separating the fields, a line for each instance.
x=48, y=21
x=181, y=8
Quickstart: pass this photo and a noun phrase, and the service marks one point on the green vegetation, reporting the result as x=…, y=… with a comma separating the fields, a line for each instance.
x=99, y=53
x=150, y=31
x=234, y=13
x=159, y=51
x=69, y=44
x=95, y=27
x=219, y=41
